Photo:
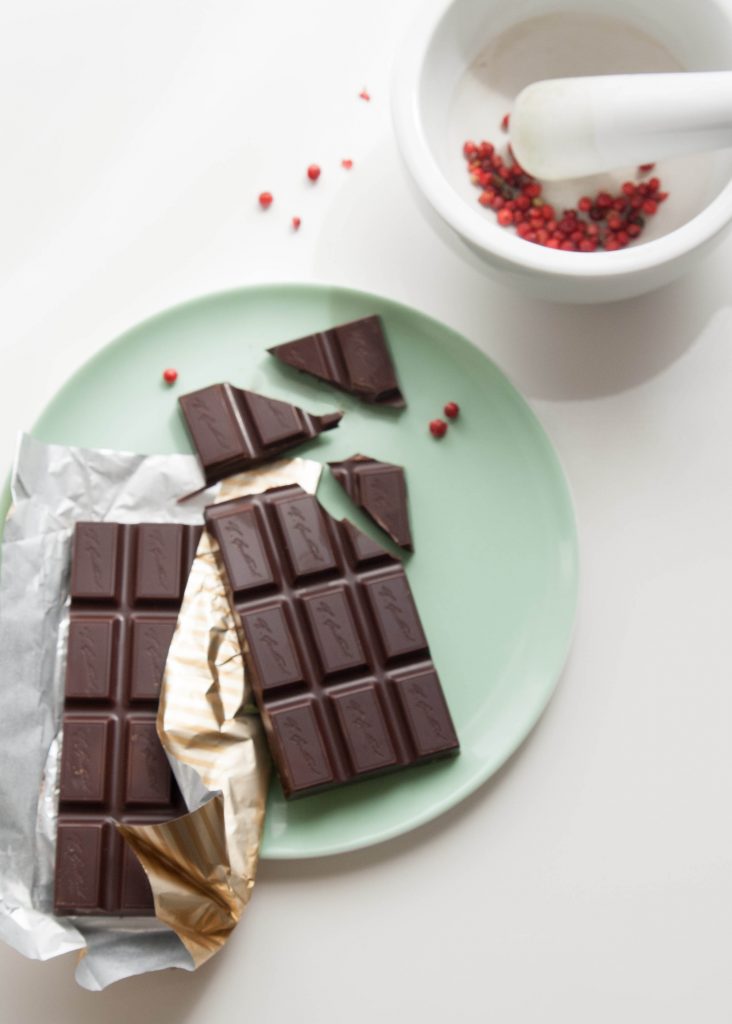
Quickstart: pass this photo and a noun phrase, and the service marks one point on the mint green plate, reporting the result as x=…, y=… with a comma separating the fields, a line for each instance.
x=495, y=568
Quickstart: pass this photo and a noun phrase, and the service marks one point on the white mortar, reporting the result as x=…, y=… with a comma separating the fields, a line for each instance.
x=457, y=75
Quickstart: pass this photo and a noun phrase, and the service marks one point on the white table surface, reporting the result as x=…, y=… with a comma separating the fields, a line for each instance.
x=591, y=881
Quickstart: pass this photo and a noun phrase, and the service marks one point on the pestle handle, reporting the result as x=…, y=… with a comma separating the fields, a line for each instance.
x=570, y=127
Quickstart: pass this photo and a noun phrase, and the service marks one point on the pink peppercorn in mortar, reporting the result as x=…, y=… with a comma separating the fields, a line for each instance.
x=611, y=222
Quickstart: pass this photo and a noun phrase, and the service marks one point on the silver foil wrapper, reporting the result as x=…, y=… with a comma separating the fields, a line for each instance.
x=53, y=487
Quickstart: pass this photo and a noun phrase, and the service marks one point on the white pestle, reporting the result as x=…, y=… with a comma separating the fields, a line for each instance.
x=570, y=127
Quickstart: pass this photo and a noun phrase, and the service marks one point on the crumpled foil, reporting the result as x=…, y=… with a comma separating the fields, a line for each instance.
x=202, y=867
x=52, y=488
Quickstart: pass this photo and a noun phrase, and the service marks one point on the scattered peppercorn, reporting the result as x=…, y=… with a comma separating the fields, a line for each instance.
x=170, y=376
x=265, y=200
x=451, y=410
x=296, y=222
x=364, y=95
x=348, y=164
x=438, y=428
x=313, y=172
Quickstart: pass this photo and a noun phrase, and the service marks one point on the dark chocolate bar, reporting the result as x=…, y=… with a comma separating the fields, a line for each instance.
x=127, y=585
x=339, y=663
x=233, y=430
x=353, y=357
x=380, y=489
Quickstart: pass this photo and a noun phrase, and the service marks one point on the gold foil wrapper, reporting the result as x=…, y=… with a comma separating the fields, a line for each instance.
x=202, y=867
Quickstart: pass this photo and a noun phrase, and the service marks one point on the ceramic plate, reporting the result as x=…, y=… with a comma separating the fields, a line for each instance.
x=495, y=564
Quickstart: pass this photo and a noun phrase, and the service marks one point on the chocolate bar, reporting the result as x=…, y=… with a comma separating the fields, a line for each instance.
x=339, y=663
x=380, y=489
x=127, y=585
x=353, y=357
x=233, y=430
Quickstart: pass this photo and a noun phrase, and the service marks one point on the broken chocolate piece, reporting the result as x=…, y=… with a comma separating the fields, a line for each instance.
x=340, y=666
x=380, y=489
x=233, y=430
x=353, y=357
x=127, y=585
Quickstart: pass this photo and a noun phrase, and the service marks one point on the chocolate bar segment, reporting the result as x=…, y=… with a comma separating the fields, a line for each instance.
x=233, y=430
x=380, y=489
x=353, y=357
x=127, y=585
x=339, y=662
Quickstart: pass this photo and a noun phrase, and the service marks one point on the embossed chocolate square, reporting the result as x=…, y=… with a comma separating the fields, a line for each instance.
x=127, y=584
x=339, y=662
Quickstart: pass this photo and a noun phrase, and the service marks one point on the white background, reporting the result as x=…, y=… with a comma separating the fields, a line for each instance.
x=591, y=881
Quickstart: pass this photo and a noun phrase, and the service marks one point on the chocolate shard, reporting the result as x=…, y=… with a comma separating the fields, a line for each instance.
x=127, y=585
x=353, y=357
x=340, y=665
x=380, y=489
x=233, y=429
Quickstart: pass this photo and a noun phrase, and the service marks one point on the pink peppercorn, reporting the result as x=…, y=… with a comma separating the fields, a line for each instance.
x=610, y=221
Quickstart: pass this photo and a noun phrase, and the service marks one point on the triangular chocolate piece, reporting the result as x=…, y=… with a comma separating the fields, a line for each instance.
x=233, y=430
x=353, y=357
x=380, y=489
